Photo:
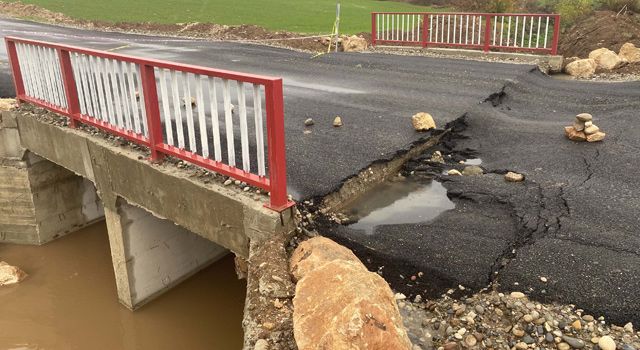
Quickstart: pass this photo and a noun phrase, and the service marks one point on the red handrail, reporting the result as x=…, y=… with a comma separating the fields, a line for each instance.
x=275, y=183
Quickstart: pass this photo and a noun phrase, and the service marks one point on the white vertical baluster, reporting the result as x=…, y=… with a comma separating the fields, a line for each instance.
x=215, y=123
x=202, y=122
x=84, y=78
x=76, y=76
x=175, y=93
x=115, y=80
x=509, y=32
x=413, y=28
x=546, y=33
x=45, y=69
x=473, y=30
x=420, y=24
x=126, y=105
x=398, y=27
x=495, y=30
x=455, y=27
x=94, y=88
x=442, y=30
x=57, y=93
x=108, y=97
x=228, y=122
x=479, y=29
x=143, y=119
x=501, y=30
x=466, y=36
x=37, y=77
x=530, y=32
x=524, y=28
x=257, y=114
x=538, y=35
x=189, y=111
x=166, y=109
x=244, y=131
x=402, y=28
x=22, y=61
x=515, y=33
x=461, y=27
x=59, y=80
x=99, y=88
x=132, y=98
x=393, y=31
x=448, y=29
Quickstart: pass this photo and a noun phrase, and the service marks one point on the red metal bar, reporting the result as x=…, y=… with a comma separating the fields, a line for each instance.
x=469, y=13
x=276, y=146
x=556, y=35
x=487, y=33
x=374, y=29
x=154, y=124
x=69, y=82
x=224, y=74
x=425, y=29
x=15, y=67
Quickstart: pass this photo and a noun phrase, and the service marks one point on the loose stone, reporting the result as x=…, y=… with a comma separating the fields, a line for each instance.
x=588, y=318
x=517, y=295
x=607, y=343
x=584, y=117
x=473, y=170
x=514, y=177
x=591, y=130
x=337, y=122
x=309, y=122
x=521, y=346
x=454, y=172
x=577, y=325
x=575, y=343
x=548, y=338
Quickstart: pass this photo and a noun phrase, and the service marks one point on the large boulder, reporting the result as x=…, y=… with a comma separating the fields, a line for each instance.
x=354, y=43
x=581, y=68
x=606, y=59
x=313, y=253
x=10, y=274
x=7, y=104
x=630, y=53
x=339, y=304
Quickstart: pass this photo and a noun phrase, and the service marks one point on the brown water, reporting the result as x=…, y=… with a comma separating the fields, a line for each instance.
x=69, y=301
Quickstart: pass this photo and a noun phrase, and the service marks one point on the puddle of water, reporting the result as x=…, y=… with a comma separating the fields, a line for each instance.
x=401, y=202
x=69, y=301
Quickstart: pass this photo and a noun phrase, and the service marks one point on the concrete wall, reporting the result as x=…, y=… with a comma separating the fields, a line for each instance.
x=39, y=200
x=151, y=255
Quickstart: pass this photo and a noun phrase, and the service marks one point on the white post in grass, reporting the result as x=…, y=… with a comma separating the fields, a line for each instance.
x=337, y=24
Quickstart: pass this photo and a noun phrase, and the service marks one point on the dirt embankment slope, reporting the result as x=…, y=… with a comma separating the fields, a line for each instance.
x=600, y=29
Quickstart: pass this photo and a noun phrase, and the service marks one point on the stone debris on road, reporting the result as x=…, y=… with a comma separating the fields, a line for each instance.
x=513, y=177
x=583, y=129
x=309, y=122
x=472, y=170
x=337, y=121
x=423, y=122
x=10, y=274
x=493, y=320
x=602, y=60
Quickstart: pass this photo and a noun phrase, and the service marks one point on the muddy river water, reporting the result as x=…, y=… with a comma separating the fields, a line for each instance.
x=69, y=301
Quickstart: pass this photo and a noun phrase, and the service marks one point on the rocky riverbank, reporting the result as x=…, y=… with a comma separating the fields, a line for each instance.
x=493, y=320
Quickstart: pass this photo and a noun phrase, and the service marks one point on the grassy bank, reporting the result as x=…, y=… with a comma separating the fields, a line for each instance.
x=303, y=16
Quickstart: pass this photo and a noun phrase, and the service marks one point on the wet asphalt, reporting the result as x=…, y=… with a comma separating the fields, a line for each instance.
x=574, y=220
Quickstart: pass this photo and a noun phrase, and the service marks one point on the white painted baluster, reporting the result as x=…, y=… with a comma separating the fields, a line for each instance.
x=515, y=34
x=143, y=112
x=546, y=33
x=86, y=86
x=473, y=31
x=524, y=28
x=175, y=93
x=509, y=33
x=479, y=29
x=244, y=131
x=461, y=27
x=538, y=35
x=115, y=83
x=166, y=108
x=126, y=103
x=26, y=74
x=466, y=38
x=228, y=122
x=45, y=71
x=431, y=27
x=530, y=32
x=501, y=30
x=98, y=81
x=442, y=30
x=76, y=77
x=133, y=98
x=257, y=114
x=402, y=28
x=189, y=111
x=37, y=77
x=215, y=124
x=413, y=28
x=202, y=122
x=455, y=27
x=495, y=30
x=108, y=100
x=392, y=27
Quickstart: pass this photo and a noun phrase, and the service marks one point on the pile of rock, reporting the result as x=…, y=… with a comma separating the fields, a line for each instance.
x=583, y=129
x=602, y=59
x=346, y=43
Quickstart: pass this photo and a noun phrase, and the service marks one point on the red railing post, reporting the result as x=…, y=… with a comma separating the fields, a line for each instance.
x=487, y=33
x=15, y=69
x=425, y=29
x=374, y=29
x=276, y=146
x=152, y=108
x=556, y=35
x=69, y=82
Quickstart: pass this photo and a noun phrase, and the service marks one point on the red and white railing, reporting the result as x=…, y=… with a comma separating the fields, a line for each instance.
x=486, y=31
x=189, y=112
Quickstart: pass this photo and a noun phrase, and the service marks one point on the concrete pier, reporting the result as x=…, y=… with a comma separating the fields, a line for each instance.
x=39, y=200
x=163, y=224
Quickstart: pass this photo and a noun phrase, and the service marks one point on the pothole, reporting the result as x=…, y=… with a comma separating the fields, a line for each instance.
x=403, y=201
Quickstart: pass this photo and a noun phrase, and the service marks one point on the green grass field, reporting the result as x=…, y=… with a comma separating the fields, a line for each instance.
x=302, y=16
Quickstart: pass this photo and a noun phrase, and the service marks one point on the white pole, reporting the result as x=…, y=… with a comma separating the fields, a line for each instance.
x=337, y=24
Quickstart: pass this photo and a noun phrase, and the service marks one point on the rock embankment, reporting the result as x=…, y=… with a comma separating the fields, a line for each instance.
x=602, y=60
x=339, y=304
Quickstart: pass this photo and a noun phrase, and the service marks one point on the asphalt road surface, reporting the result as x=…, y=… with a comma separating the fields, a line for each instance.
x=574, y=220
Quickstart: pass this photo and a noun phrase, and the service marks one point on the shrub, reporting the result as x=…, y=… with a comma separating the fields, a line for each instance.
x=571, y=10
x=617, y=5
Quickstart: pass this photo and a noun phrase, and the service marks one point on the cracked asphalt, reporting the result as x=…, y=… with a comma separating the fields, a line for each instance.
x=574, y=220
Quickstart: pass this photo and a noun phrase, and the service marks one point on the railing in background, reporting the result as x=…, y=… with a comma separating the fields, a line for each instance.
x=486, y=31
x=119, y=94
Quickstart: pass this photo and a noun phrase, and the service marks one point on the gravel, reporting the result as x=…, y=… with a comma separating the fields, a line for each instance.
x=492, y=320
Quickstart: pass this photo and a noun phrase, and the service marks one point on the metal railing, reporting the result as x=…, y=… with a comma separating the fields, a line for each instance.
x=486, y=31
x=189, y=112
